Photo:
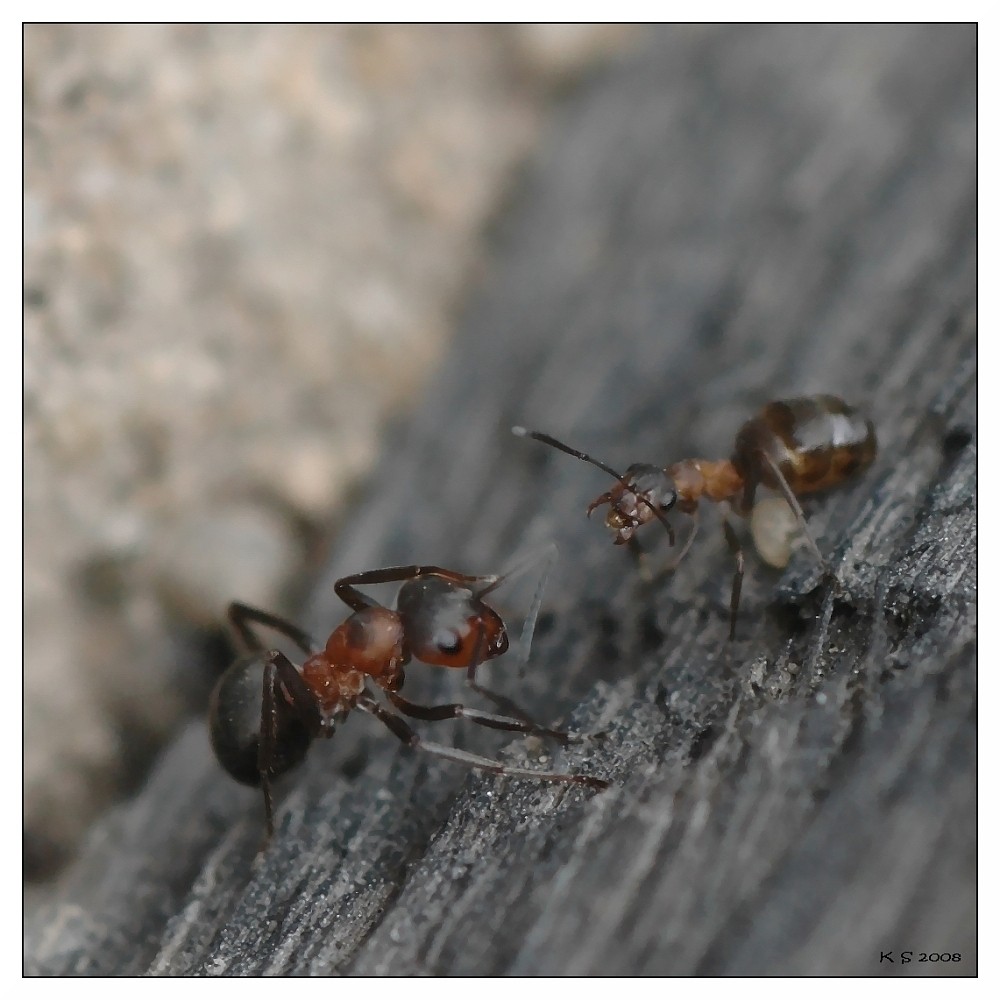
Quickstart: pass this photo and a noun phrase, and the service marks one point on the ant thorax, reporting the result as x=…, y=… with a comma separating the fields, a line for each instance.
x=648, y=495
x=447, y=625
x=369, y=644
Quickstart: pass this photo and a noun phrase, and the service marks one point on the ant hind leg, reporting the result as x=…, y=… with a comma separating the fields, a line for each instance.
x=279, y=669
x=241, y=615
x=793, y=502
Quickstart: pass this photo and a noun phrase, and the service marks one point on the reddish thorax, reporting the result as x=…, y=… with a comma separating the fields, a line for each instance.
x=369, y=644
x=695, y=478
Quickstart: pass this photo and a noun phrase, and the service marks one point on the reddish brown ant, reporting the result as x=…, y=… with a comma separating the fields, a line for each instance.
x=266, y=711
x=795, y=446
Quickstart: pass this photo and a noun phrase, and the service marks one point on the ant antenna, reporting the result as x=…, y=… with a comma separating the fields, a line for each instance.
x=583, y=456
x=545, y=555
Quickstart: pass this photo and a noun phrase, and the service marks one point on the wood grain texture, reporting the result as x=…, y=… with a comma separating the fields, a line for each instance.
x=727, y=216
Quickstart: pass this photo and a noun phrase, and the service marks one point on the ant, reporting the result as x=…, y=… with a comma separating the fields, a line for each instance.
x=265, y=710
x=796, y=446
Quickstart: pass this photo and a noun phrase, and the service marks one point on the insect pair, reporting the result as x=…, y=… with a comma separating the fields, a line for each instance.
x=266, y=710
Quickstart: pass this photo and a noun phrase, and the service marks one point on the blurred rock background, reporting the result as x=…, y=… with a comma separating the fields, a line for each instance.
x=244, y=250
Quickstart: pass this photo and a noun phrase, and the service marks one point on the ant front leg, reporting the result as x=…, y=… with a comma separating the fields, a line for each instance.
x=501, y=701
x=405, y=734
x=346, y=587
x=679, y=558
x=241, y=615
x=439, y=713
x=689, y=541
x=641, y=559
x=737, y=550
x=516, y=720
x=545, y=556
x=520, y=720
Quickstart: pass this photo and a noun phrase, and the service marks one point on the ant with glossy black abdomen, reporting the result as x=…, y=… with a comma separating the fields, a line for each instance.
x=796, y=446
x=266, y=711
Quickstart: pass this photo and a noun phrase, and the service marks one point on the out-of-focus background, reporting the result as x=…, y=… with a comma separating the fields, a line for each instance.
x=244, y=250
x=718, y=216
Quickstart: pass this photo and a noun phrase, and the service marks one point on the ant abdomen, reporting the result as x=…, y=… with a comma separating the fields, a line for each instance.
x=234, y=721
x=815, y=441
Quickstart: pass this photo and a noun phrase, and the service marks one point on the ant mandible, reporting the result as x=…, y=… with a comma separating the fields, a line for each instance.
x=796, y=446
x=265, y=711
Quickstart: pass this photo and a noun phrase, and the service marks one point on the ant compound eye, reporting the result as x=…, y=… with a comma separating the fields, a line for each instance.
x=668, y=502
x=448, y=641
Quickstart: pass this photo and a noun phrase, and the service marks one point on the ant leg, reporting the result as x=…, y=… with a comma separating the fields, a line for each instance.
x=240, y=616
x=737, y=551
x=278, y=669
x=438, y=713
x=662, y=519
x=660, y=516
x=517, y=718
x=266, y=745
x=406, y=735
x=346, y=587
x=600, y=502
x=508, y=705
x=545, y=556
x=688, y=542
x=793, y=502
x=653, y=577
x=641, y=560
x=501, y=701
x=294, y=690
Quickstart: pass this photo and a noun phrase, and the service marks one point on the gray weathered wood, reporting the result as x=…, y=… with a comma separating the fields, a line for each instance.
x=730, y=215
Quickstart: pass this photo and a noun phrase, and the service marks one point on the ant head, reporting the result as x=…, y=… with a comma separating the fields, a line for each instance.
x=448, y=625
x=645, y=493
x=234, y=725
